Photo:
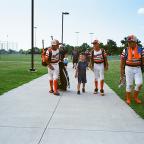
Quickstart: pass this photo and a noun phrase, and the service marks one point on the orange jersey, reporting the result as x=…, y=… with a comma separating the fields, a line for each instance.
x=132, y=60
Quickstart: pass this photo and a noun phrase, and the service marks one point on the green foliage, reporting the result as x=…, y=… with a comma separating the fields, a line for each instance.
x=69, y=49
x=83, y=47
x=112, y=47
x=125, y=43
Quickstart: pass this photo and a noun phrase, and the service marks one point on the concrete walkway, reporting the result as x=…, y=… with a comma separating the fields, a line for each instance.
x=30, y=115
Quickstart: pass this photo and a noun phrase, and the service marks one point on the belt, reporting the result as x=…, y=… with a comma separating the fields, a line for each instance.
x=133, y=65
x=98, y=62
x=54, y=62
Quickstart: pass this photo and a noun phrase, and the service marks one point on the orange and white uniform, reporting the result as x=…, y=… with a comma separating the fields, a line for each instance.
x=98, y=58
x=133, y=71
x=53, y=74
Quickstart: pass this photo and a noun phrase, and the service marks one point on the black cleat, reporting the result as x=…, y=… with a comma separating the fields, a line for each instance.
x=95, y=91
x=56, y=93
x=83, y=90
x=51, y=91
x=102, y=92
x=78, y=92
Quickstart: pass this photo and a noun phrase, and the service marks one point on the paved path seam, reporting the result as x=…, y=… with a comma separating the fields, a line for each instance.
x=50, y=118
x=102, y=130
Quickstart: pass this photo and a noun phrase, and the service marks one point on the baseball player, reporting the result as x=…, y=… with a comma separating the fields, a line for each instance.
x=132, y=59
x=52, y=56
x=100, y=63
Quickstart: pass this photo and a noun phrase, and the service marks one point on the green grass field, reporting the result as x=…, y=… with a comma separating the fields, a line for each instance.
x=14, y=70
x=112, y=77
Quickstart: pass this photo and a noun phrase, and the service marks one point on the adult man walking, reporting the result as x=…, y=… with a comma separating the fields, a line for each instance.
x=100, y=63
x=132, y=59
x=52, y=58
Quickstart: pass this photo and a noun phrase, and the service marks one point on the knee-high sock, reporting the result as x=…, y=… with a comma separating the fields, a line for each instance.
x=55, y=82
x=136, y=97
x=51, y=84
x=96, y=84
x=101, y=84
x=128, y=97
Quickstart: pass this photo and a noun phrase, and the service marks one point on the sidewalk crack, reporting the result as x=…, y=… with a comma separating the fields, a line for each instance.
x=50, y=119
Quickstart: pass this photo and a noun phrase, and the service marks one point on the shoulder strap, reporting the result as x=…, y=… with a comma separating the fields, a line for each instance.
x=141, y=50
x=126, y=53
x=92, y=54
x=103, y=53
x=142, y=67
x=102, y=49
x=50, y=54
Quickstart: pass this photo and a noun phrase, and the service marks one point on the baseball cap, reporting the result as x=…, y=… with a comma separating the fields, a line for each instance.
x=55, y=42
x=95, y=41
x=132, y=38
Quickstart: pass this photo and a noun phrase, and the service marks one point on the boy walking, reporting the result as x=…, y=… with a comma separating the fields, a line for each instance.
x=81, y=73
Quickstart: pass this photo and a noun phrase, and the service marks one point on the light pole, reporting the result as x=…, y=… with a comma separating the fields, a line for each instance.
x=77, y=38
x=32, y=69
x=51, y=37
x=63, y=13
x=91, y=37
x=7, y=43
x=35, y=35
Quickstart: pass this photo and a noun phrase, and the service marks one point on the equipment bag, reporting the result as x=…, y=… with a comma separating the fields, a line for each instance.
x=63, y=80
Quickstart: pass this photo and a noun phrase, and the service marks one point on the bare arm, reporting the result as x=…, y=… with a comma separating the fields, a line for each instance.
x=76, y=73
x=122, y=68
x=106, y=63
x=143, y=61
x=48, y=63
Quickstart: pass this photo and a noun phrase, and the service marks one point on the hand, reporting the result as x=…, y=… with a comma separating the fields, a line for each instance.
x=121, y=79
x=106, y=68
x=51, y=67
x=90, y=66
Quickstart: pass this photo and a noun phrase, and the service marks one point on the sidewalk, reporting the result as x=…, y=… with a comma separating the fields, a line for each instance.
x=30, y=115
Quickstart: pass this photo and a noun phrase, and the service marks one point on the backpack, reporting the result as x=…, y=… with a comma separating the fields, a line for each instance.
x=63, y=79
x=126, y=56
x=43, y=56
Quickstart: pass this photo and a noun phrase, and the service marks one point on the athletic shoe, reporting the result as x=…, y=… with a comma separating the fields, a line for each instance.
x=83, y=90
x=95, y=91
x=56, y=93
x=78, y=92
x=102, y=92
x=51, y=91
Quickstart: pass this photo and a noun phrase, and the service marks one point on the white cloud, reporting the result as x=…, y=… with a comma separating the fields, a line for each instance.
x=141, y=11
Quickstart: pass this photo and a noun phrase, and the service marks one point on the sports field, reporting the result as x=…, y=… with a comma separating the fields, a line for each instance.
x=14, y=71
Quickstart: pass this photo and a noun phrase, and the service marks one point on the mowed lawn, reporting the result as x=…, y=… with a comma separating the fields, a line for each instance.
x=112, y=77
x=14, y=70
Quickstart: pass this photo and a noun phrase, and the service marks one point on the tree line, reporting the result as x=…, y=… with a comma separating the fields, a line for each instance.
x=111, y=48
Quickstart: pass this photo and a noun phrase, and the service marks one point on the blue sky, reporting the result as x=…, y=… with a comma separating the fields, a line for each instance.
x=107, y=19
